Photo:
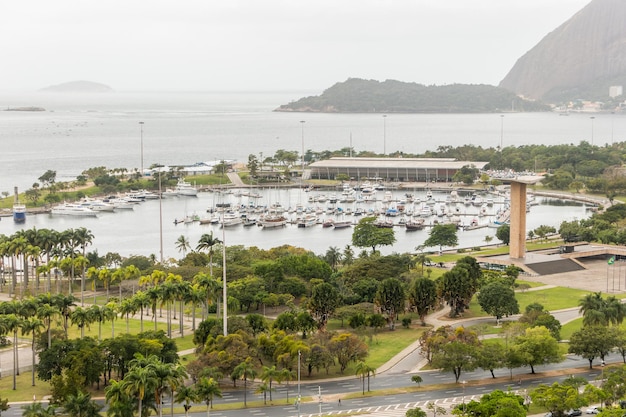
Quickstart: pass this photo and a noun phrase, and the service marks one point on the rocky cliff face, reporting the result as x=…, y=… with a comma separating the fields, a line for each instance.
x=580, y=59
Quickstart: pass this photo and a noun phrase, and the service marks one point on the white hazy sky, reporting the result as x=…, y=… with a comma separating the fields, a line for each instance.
x=267, y=44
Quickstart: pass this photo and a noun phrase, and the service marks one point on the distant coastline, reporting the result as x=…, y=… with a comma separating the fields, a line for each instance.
x=26, y=108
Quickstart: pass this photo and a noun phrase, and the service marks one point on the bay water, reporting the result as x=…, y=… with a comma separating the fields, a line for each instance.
x=77, y=132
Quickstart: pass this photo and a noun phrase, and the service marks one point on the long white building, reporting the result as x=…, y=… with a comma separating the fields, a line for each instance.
x=392, y=169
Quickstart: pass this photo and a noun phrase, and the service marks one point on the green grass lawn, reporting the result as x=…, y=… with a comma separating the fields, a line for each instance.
x=386, y=344
x=25, y=390
x=552, y=298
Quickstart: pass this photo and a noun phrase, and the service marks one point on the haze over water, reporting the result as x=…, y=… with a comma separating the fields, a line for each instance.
x=77, y=132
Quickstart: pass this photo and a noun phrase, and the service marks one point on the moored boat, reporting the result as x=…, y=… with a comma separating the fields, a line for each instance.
x=19, y=209
x=70, y=209
x=185, y=189
x=272, y=221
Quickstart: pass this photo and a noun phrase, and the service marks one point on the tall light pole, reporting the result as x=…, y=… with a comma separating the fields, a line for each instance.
x=299, y=397
x=302, y=122
x=384, y=134
x=501, y=131
x=160, y=217
x=224, y=295
x=141, y=130
x=592, y=119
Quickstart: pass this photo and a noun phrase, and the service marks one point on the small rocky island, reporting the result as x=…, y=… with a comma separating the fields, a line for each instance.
x=79, y=87
x=27, y=108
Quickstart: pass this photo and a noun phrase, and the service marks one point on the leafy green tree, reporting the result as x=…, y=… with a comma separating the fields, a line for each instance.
x=557, y=398
x=423, y=297
x=367, y=234
x=347, y=347
x=537, y=346
x=442, y=235
x=323, y=302
x=186, y=396
x=417, y=379
x=415, y=412
x=592, y=341
x=458, y=286
x=253, y=165
x=491, y=356
x=503, y=233
x=496, y=404
x=498, y=299
x=390, y=298
x=535, y=316
x=456, y=357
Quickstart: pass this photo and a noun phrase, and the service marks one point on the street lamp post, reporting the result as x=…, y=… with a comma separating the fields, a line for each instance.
x=302, y=126
x=224, y=294
x=592, y=119
x=384, y=134
x=501, y=131
x=141, y=130
x=299, y=397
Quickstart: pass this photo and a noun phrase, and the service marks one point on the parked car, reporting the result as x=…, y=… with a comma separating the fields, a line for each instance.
x=573, y=413
x=592, y=410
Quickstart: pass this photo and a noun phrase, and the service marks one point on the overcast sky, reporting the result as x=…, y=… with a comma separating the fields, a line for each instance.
x=267, y=44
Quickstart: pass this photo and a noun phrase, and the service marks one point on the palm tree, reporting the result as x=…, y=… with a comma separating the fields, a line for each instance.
x=207, y=388
x=81, y=405
x=11, y=323
x=182, y=289
x=64, y=305
x=194, y=296
x=208, y=242
x=212, y=288
x=96, y=313
x=32, y=325
x=154, y=295
x=141, y=301
x=287, y=375
x=363, y=370
x=35, y=409
x=118, y=400
x=263, y=389
x=104, y=275
x=187, y=396
x=137, y=382
x=80, y=317
x=126, y=308
x=47, y=240
x=46, y=312
x=270, y=374
x=168, y=376
x=183, y=245
x=83, y=237
x=244, y=371
x=109, y=311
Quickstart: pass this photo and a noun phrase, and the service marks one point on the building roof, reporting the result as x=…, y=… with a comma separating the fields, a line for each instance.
x=395, y=163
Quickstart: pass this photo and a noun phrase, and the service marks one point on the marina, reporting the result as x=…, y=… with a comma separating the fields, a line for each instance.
x=272, y=217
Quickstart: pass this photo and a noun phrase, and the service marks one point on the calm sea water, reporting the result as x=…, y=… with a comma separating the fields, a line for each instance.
x=77, y=132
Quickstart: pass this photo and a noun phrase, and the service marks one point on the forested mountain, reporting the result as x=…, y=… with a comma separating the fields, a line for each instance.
x=370, y=96
x=582, y=58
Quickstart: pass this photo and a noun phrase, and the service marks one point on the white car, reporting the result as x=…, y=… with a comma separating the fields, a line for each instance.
x=592, y=410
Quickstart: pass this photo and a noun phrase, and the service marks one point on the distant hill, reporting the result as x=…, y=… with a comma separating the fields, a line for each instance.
x=582, y=58
x=79, y=87
x=356, y=95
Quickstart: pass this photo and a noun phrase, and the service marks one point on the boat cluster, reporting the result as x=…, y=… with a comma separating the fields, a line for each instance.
x=408, y=211
x=92, y=206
